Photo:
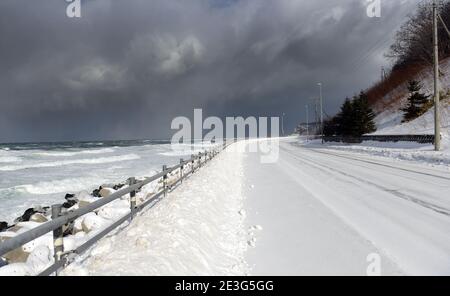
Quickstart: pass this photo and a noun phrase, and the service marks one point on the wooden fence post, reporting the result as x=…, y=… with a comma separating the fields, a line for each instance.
x=58, y=241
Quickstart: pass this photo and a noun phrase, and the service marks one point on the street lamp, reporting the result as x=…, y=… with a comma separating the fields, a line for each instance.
x=321, y=110
x=307, y=123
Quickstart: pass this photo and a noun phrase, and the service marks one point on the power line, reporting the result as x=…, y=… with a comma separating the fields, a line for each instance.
x=378, y=44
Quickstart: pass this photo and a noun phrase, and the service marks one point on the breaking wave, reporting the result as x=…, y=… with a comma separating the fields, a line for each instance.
x=10, y=159
x=69, y=153
x=72, y=161
x=71, y=185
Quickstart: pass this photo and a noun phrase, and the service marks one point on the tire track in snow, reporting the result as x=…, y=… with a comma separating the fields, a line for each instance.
x=320, y=166
x=380, y=164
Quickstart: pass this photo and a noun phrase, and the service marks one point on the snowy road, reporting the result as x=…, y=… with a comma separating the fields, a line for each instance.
x=325, y=211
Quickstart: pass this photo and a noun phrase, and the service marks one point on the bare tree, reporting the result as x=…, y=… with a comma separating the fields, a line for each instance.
x=413, y=42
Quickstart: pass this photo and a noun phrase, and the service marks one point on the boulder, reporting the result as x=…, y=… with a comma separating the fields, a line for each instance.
x=70, y=196
x=21, y=227
x=85, y=199
x=84, y=203
x=38, y=217
x=105, y=192
x=71, y=200
x=3, y=226
x=3, y=262
x=26, y=215
x=39, y=259
x=16, y=256
x=69, y=204
x=17, y=269
x=31, y=211
x=96, y=192
x=92, y=222
x=77, y=227
x=46, y=211
x=11, y=232
x=118, y=186
x=84, y=195
x=115, y=210
x=70, y=244
x=45, y=240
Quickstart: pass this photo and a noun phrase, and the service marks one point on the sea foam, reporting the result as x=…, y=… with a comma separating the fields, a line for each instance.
x=70, y=162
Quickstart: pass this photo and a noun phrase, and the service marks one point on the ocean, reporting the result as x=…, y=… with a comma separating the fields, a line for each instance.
x=33, y=174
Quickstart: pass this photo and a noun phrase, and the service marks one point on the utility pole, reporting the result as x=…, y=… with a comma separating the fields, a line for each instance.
x=282, y=124
x=437, y=124
x=307, y=123
x=321, y=111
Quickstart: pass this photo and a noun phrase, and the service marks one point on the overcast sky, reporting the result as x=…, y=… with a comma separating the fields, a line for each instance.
x=128, y=67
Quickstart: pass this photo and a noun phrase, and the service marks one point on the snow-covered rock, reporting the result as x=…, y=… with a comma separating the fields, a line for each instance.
x=16, y=269
x=45, y=240
x=38, y=217
x=17, y=255
x=92, y=221
x=105, y=192
x=40, y=259
x=115, y=210
x=84, y=199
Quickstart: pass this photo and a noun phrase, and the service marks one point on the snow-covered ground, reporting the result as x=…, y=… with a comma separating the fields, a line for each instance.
x=388, y=107
x=400, y=151
x=316, y=211
x=325, y=211
x=390, y=123
x=389, y=115
x=197, y=230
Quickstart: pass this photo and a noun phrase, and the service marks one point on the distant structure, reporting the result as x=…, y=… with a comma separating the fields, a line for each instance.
x=303, y=129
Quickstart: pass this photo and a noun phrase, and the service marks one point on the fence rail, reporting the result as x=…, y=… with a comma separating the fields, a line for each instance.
x=59, y=220
x=424, y=139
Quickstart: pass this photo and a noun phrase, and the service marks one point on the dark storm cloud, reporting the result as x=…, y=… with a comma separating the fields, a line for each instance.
x=126, y=68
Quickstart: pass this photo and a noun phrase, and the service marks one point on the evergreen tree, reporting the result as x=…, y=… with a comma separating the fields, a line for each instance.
x=363, y=116
x=355, y=118
x=416, y=102
x=345, y=119
x=330, y=127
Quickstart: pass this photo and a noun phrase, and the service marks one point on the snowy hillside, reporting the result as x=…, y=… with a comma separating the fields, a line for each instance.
x=389, y=118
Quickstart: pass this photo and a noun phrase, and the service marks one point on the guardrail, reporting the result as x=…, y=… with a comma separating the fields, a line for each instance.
x=424, y=139
x=59, y=220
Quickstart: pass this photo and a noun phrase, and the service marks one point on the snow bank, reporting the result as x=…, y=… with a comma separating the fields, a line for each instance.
x=409, y=151
x=389, y=123
x=196, y=230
